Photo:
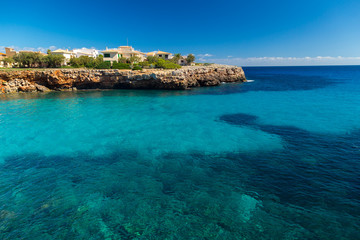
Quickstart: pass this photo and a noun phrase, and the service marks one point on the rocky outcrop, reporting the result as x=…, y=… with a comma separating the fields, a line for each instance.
x=73, y=79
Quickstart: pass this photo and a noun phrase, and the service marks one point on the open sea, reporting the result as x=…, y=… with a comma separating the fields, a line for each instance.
x=277, y=157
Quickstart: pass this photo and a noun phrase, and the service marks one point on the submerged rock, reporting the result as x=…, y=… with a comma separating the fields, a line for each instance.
x=72, y=79
x=246, y=206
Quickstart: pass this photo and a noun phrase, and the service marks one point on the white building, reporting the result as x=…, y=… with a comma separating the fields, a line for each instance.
x=113, y=55
x=66, y=53
x=161, y=54
x=86, y=52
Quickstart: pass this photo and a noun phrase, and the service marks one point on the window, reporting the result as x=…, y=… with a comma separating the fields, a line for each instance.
x=107, y=55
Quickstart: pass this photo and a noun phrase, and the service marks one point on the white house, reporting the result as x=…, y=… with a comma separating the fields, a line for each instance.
x=113, y=55
x=86, y=52
x=161, y=54
x=182, y=61
x=66, y=53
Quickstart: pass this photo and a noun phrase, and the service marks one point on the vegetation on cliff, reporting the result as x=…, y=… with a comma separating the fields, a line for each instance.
x=86, y=62
x=38, y=60
x=35, y=60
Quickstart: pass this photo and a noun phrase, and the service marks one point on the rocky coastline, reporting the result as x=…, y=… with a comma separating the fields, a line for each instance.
x=12, y=81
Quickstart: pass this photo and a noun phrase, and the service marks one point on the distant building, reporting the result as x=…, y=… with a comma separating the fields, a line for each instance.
x=10, y=52
x=182, y=61
x=160, y=54
x=66, y=53
x=151, y=54
x=164, y=55
x=86, y=52
x=2, y=56
x=113, y=55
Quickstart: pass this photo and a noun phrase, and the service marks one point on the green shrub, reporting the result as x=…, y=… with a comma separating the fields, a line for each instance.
x=121, y=65
x=54, y=60
x=144, y=64
x=161, y=63
x=123, y=60
x=152, y=59
x=103, y=65
x=83, y=61
x=137, y=68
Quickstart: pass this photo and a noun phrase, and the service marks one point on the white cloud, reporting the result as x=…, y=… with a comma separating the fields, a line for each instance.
x=285, y=61
x=205, y=55
x=42, y=49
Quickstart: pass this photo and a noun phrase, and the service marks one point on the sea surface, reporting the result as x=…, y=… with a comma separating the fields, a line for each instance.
x=277, y=157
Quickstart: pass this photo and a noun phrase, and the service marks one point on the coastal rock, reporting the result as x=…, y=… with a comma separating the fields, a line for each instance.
x=29, y=88
x=41, y=88
x=76, y=79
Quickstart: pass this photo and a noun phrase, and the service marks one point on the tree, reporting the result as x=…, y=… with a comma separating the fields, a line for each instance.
x=99, y=60
x=134, y=59
x=162, y=63
x=152, y=59
x=54, y=60
x=190, y=58
x=123, y=60
x=176, y=58
x=8, y=61
x=29, y=59
x=48, y=51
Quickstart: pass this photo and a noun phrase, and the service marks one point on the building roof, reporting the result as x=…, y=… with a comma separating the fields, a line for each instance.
x=110, y=50
x=161, y=52
x=84, y=53
x=2, y=54
x=138, y=52
x=151, y=53
x=62, y=51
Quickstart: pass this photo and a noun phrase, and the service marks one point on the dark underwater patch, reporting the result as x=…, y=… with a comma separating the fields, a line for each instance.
x=313, y=168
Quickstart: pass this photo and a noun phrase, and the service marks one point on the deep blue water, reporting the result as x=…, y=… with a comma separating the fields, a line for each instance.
x=274, y=158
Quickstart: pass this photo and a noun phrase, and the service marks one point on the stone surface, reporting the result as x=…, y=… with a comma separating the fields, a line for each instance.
x=77, y=79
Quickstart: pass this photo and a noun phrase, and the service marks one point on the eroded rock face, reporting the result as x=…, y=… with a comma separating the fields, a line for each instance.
x=71, y=79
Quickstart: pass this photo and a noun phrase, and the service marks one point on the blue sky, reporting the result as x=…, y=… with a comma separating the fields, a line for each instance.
x=257, y=32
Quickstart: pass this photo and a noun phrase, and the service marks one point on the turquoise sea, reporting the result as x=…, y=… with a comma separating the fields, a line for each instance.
x=275, y=158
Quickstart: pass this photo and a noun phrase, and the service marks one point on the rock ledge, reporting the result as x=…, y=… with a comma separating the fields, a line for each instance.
x=73, y=79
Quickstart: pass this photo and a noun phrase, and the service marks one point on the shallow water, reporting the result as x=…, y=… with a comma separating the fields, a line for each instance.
x=275, y=158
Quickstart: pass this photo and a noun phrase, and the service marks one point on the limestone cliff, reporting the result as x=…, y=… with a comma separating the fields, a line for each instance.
x=72, y=79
